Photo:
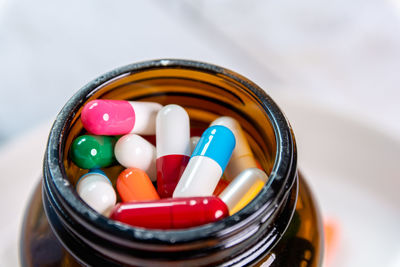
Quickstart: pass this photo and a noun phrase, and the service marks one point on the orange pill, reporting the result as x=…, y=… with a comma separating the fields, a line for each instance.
x=222, y=184
x=259, y=165
x=133, y=184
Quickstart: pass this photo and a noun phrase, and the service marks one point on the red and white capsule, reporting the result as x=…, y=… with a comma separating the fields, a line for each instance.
x=173, y=147
x=118, y=117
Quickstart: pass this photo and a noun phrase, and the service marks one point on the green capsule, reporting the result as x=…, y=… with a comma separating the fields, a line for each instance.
x=93, y=151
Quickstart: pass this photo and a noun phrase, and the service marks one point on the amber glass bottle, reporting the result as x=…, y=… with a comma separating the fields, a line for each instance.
x=280, y=227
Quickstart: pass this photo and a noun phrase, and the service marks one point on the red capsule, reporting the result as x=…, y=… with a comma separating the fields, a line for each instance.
x=172, y=213
x=194, y=131
x=150, y=138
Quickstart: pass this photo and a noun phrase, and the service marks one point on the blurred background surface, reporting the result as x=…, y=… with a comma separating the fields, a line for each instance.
x=332, y=66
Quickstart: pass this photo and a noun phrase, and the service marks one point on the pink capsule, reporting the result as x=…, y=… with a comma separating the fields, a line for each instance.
x=118, y=117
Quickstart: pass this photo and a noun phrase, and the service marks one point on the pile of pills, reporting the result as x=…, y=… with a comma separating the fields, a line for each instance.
x=198, y=179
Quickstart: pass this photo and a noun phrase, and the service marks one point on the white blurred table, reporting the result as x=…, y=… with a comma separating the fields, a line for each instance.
x=341, y=54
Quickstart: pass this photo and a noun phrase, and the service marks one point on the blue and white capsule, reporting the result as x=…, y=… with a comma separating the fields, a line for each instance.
x=207, y=163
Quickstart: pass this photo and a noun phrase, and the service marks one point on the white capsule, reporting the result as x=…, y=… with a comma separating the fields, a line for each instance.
x=133, y=151
x=242, y=156
x=243, y=189
x=193, y=142
x=172, y=131
x=97, y=191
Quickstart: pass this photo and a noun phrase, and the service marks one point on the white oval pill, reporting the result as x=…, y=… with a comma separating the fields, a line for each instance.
x=133, y=151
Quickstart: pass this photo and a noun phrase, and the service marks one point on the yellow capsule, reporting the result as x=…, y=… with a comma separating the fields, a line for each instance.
x=243, y=189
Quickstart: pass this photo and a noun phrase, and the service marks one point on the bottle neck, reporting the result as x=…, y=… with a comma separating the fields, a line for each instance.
x=207, y=90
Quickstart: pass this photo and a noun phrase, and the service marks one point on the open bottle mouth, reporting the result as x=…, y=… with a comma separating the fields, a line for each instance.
x=206, y=92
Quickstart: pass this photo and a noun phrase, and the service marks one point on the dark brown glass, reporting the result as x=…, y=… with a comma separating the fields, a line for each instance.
x=280, y=227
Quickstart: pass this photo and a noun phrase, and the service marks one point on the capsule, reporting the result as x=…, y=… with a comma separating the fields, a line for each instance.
x=207, y=163
x=171, y=213
x=133, y=184
x=243, y=189
x=91, y=151
x=242, y=156
x=222, y=184
x=151, y=139
x=173, y=147
x=133, y=151
x=96, y=190
x=119, y=117
x=194, y=140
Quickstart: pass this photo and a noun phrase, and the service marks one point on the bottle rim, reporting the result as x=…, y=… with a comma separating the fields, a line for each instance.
x=72, y=211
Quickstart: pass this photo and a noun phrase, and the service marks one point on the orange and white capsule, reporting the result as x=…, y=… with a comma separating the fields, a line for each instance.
x=242, y=156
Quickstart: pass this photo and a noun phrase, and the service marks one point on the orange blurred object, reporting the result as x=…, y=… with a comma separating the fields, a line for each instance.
x=331, y=232
x=133, y=184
